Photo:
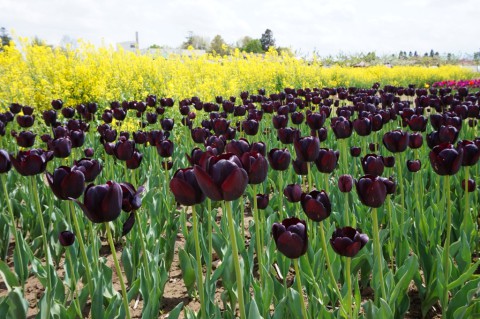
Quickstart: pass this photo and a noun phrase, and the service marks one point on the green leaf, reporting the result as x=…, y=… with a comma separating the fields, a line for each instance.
x=464, y=277
x=405, y=275
x=17, y=304
x=462, y=299
x=188, y=270
x=253, y=311
x=8, y=276
x=175, y=311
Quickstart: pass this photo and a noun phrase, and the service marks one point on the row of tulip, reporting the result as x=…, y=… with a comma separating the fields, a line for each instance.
x=394, y=247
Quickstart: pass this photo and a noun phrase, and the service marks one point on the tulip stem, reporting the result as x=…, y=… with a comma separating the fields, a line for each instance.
x=446, y=252
x=330, y=271
x=79, y=237
x=144, y=253
x=119, y=271
x=309, y=176
x=236, y=261
x=14, y=229
x=348, y=277
x=466, y=214
x=210, y=240
x=378, y=254
x=280, y=195
x=343, y=154
x=74, y=283
x=48, y=290
x=299, y=288
x=258, y=234
x=198, y=256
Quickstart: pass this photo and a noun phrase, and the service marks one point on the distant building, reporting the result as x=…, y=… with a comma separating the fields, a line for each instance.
x=128, y=46
x=165, y=52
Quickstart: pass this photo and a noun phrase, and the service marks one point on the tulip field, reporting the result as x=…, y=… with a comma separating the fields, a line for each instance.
x=237, y=187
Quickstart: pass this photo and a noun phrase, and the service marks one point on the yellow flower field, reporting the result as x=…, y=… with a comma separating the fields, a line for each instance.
x=34, y=75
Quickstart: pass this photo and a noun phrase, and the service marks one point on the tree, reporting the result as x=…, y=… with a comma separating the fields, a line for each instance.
x=253, y=46
x=267, y=40
x=4, y=37
x=219, y=46
x=195, y=41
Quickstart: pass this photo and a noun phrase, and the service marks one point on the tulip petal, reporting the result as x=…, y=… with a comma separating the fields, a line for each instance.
x=235, y=184
x=206, y=184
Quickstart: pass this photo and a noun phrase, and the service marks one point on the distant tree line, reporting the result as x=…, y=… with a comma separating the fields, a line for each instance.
x=246, y=44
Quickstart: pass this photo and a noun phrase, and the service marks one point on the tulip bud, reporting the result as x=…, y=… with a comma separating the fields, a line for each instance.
x=348, y=241
x=290, y=236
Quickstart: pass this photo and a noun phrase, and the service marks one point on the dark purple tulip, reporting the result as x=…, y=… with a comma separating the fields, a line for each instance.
x=327, y=160
x=141, y=107
x=345, y=183
x=167, y=124
x=165, y=148
x=288, y=135
x=216, y=142
x=297, y=118
x=152, y=118
x=316, y=205
x=250, y=127
x=417, y=123
x=5, y=163
x=2, y=128
x=300, y=167
x=279, y=159
x=109, y=135
x=396, y=141
x=293, y=193
x=471, y=153
x=124, y=149
x=31, y=162
x=90, y=168
x=107, y=116
x=315, y=120
x=471, y=185
x=373, y=164
x=155, y=136
x=445, y=159
x=377, y=122
x=291, y=237
x=50, y=117
x=119, y=114
x=342, y=128
x=256, y=167
x=77, y=137
x=362, y=126
x=279, y=121
x=25, y=120
x=15, y=108
x=307, y=148
x=61, y=147
x=166, y=165
x=389, y=161
x=88, y=152
x=371, y=190
x=355, y=151
x=348, y=241
x=66, y=183
x=390, y=185
x=24, y=138
x=66, y=237
x=414, y=165
x=69, y=112
x=415, y=140
x=102, y=203
x=220, y=126
x=259, y=147
x=57, y=104
x=131, y=199
x=199, y=134
x=238, y=147
x=135, y=161
x=223, y=179
x=447, y=134
x=262, y=201
x=185, y=188
x=140, y=137
x=109, y=148
x=27, y=110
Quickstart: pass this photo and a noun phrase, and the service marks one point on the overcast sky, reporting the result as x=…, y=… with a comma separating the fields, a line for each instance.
x=324, y=26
